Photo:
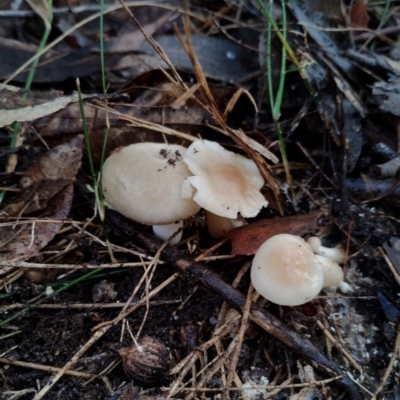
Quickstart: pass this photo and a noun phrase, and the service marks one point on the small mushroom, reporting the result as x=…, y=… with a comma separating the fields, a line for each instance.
x=164, y=232
x=224, y=183
x=336, y=254
x=286, y=271
x=333, y=273
x=143, y=182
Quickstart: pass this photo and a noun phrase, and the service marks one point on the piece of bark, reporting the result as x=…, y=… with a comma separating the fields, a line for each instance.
x=272, y=325
x=247, y=239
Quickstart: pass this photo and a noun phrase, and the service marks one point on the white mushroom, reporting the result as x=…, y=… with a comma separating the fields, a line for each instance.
x=345, y=287
x=286, y=271
x=164, y=232
x=224, y=182
x=143, y=182
x=336, y=254
x=333, y=273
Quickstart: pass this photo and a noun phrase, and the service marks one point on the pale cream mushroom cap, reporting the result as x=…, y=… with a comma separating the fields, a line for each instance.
x=224, y=183
x=286, y=271
x=143, y=182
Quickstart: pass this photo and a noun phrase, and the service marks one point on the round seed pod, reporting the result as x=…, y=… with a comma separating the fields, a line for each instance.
x=148, y=362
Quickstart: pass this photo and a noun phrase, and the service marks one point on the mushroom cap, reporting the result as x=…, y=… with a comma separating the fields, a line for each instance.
x=143, y=182
x=225, y=183
x=286, y=271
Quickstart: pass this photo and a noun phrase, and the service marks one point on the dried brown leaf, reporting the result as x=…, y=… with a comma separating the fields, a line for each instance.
x=358, y=14
x=247, y=239
x=56, y=66
x=68, y=121
x=13, y=108
x=130, y=40
x=28, y=239
x=165, y=104
x=47, y=193
x=48, y=175
x=220, y=58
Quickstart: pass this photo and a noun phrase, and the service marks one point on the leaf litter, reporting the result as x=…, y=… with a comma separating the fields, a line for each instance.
x=197, y=75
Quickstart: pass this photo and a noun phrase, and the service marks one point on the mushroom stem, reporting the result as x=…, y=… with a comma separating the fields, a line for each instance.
x=164, y=232
x=219, y=227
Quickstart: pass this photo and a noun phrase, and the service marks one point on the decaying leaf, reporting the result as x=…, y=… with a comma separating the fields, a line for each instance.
x=13, y=108
x=390, y=92
x=46, y=192
x=220, y=58
x=58, y=66
x=304, y=13
x=165, y=104
x=157, y=104
x=69, y=121
x=358, y=14
x=47, y=175
x=247, y=239
x=28, y=238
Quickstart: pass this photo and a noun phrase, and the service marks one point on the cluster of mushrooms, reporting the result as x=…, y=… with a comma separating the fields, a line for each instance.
x=163, y=184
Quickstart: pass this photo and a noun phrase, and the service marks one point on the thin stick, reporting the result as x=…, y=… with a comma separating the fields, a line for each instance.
x=264, y=387
x=339, y=346
x=242, y=330
x=46, y=368
x=82, y=306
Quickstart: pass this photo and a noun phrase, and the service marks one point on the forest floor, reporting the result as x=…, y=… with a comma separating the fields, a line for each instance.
x=92, y=305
